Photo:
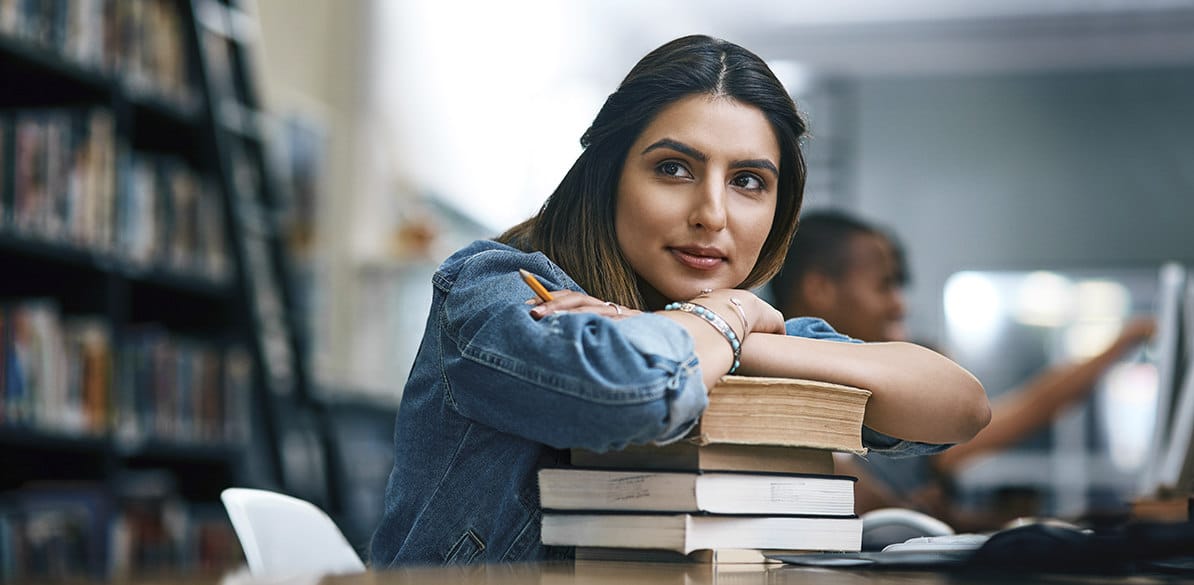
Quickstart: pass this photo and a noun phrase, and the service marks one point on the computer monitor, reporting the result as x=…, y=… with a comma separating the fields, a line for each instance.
x=1173, y=418
x=1175, y=469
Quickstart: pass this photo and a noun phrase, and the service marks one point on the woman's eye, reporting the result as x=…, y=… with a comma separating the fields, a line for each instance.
x=748, y=181
x=672, y=169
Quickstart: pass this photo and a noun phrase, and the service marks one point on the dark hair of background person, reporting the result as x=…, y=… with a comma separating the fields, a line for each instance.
x=822, y=244
x=575, y=226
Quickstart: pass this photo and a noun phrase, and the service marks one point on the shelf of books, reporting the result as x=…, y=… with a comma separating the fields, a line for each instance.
x=142, y=309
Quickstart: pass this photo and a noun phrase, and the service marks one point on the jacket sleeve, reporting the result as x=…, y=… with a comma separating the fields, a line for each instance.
x=567, y=380
x=873, y=440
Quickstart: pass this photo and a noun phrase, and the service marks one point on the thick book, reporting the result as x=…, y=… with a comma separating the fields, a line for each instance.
x=687, y=455
x=783, y=411
x=685, y=533
x=713, y=492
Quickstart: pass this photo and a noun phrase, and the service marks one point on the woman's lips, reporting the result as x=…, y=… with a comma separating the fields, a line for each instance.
x=697, y=260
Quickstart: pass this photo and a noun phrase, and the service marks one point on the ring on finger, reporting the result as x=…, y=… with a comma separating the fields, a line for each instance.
x=616, y=306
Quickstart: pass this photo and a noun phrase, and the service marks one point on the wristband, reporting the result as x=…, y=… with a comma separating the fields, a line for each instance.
x=717, y=322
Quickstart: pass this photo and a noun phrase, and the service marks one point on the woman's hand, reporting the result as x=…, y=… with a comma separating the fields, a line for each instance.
x=567, y=301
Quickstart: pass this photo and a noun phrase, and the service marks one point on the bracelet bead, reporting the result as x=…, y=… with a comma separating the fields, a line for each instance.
x=712, y=318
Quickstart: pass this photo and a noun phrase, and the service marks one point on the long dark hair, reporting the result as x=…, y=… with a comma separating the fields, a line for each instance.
x=575, y=226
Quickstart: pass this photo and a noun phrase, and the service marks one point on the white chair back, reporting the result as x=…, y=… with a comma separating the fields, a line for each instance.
x=286, y=536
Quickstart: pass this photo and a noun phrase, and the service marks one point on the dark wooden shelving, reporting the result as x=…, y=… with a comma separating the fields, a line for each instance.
x=17, y=248
x=29, y=70
x=183, y=332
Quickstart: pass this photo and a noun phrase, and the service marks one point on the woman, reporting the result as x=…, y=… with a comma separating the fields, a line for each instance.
x=688, y=190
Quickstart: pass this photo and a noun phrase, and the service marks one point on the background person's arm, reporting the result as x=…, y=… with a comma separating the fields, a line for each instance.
x=1022, y=412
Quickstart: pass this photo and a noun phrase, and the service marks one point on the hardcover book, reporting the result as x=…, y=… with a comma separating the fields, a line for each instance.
x=712, y=492
x=685, y=533
x=687, y=455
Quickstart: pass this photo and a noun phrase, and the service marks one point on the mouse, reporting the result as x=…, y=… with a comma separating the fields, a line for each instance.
x=1041, y=546
x=886, y=526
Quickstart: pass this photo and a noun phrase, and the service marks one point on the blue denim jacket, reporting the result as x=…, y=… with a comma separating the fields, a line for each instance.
x=494, y=395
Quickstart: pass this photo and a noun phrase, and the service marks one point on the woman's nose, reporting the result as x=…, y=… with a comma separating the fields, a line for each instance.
x=709, y=210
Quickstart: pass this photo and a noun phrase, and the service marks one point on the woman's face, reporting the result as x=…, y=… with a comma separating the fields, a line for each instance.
x=697, y=197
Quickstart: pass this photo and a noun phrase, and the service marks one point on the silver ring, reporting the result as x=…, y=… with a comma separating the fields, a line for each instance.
x=616, y=307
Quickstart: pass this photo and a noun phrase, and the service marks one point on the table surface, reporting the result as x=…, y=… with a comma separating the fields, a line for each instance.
x=627, y=573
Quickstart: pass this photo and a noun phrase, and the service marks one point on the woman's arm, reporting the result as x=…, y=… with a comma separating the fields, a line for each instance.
x=713, y=351
x=916, y=394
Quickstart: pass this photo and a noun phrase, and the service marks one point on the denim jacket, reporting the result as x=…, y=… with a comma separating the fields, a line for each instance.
x=494, y=395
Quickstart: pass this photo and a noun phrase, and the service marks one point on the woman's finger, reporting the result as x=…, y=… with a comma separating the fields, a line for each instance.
x=575, y=302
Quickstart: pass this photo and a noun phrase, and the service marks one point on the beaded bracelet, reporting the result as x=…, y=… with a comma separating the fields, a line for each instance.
x=716, y=321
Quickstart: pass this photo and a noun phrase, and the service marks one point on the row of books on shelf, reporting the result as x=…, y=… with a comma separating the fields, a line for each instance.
x=74, y=181
x=140, y=42
x=755, y=476
x=135, y=526
x=63, y=375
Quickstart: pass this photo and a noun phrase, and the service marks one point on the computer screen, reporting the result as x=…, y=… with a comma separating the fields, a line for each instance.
x=1172, y=466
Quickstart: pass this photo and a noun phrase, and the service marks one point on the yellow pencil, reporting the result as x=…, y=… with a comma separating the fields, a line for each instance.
x=535, y=286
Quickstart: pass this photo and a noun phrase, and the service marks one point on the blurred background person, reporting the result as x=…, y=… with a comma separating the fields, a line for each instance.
x=852, y=274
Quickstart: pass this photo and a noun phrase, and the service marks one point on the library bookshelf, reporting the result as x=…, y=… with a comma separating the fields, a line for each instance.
x=146, y=324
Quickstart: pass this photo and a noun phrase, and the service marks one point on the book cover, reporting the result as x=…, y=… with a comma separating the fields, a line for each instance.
x=686, y=533
x=688, y=455
x=712, y=492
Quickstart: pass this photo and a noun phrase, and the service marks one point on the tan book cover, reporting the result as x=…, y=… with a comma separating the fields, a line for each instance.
x=783, y=411
x=689, y=456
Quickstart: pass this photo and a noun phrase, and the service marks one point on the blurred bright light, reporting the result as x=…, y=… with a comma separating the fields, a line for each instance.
x=1086, y=339
x=1099, y=309
x=487, y=101
x=1044, y=299
x=973, y=310
x=1128, y=400
x=1102, y=300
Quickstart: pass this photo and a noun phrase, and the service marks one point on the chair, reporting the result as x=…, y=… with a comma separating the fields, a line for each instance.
x=285, y=536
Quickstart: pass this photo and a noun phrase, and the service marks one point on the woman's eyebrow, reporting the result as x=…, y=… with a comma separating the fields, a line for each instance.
x=677, y=146
x=755, y=163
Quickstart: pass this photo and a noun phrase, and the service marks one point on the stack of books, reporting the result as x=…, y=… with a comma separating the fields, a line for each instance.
x=755, y=475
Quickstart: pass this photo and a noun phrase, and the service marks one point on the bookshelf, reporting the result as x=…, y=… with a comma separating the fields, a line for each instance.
x=146, y=326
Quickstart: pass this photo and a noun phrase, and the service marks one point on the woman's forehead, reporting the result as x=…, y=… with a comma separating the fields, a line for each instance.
x=718, y=126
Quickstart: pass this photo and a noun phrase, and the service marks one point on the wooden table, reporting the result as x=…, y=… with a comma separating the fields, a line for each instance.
x=627, y=573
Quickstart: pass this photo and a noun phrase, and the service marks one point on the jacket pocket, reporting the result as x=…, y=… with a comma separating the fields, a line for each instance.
x=467, y=548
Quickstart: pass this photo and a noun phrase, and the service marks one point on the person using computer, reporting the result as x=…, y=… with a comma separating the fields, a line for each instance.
x=852, y=274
